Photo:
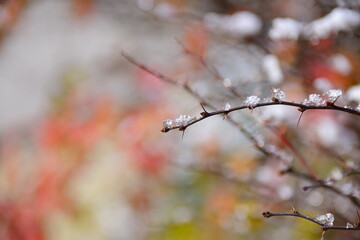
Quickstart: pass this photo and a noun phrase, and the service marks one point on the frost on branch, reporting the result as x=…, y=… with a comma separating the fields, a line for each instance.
x=227, y=106
x=349, y=225
x=328, y=97
x=180, y=121
x=318, y=100
x=314, y=100
x=167, y=123
x=278, y=94
x=326, y=219
x=332, y=95
x=251, y=101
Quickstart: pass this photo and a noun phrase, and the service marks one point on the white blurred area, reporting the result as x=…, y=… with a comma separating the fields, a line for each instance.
x=48, y=43
x=49, y=39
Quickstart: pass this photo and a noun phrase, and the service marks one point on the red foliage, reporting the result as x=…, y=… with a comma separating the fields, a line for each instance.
x=137, y=136
x=196, y=40
x=82, y=7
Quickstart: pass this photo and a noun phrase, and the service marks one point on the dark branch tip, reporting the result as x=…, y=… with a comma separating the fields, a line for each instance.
x=266, y=214
x=164, y=130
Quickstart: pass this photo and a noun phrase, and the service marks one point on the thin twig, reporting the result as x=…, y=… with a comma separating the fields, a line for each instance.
x=351, y=173
x=209, y=67
x=202, y=101
x=215, y=73
x=298, y=154
x=324, y=227
x=320, y=183
x=205, y=114
x=302, y=108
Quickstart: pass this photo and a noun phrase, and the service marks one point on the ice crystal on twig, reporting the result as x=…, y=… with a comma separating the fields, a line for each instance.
x=349, y=225
x=167, y=123
x=183, y=120
x=180, y=121
x=332, y=95
x=314, y=99
x=327, y=219
x=278, y=94
x=358, y=108
x=227, y=106
x=251, y=101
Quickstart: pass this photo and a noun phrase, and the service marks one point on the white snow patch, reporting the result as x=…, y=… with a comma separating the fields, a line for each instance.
x=322, y=84
x=328, y=132
x=272, y=68
x=339, y=19
x=240, y=24
x=353, y=94
x=340, y=64
x=285, y=28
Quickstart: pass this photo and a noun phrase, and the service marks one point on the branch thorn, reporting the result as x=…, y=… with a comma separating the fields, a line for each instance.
x=183, y=131
x=205, y=112
x=302, y=112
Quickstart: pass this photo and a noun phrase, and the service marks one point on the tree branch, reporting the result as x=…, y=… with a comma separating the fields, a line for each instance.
x=324, y=227
x=205, y=114
x=209, y=67
x=203, y=102
x=301, y=107
x=320, y=183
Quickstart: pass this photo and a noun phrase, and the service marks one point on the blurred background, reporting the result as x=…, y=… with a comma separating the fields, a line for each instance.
x=82, y=155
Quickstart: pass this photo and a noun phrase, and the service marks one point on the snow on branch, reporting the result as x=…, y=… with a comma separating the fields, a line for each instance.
x=326, y=221
x=338, y=20
x=325, y=101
